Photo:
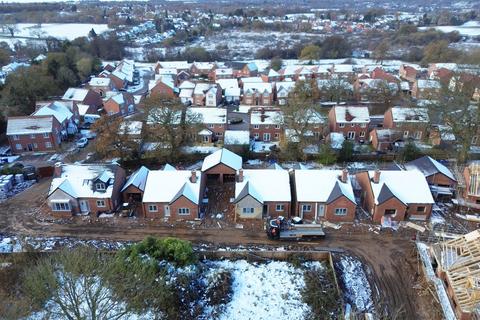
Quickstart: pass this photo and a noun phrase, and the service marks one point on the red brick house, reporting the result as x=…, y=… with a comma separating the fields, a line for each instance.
x=249, y=70
x=258, y=94
x=86, y=97
x=120, y=103
x=384, y=139
x=34, y=134
x=386, y=198
x=413, y=122
x=425, y=89
x=214, y=121
x=324, y=195
x=266, y=125
x=408, y=73
x=351, y=121
x=101, y=85
x=255, y=198
x=80, y=189
x=207, y=94
x=202, y=69
x=441, y=180
x=172, y=195
x=222, y=165
x=163, y=86
x=66, y=113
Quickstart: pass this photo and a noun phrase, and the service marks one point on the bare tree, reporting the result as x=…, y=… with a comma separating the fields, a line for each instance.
x=70, y=285
x=170, y=123
x=453, y=107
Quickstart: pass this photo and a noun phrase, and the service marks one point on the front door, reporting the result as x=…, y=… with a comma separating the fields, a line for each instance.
x=84, y=207
x=265, y=211
x=321, y=211
x=266, y=136
x=351, y=135
x=167, y=211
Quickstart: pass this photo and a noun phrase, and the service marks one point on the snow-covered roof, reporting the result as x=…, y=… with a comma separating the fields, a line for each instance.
x=77, y=180
x=321, y=186
x=257, y=86
x=232, y=92
x=342, y=68
x=175, y=64
x=58, y=109
x=186, y=93
x=204, y=65
x=258, y=184
x=29, y=125
x=187, y=85
x=428, y=84
x=166, y=186
x=82, y=109
x=100, y=82
x=167, y=71
x=267, y=117
x=227, y=83
x=223, y=156
x=273, y=73
x=251, y=80
x=138, y=179
x=224, y=71
x=400, y=114
x=211, y=115
x=202, y=88
x=349, y=114
x=429, y=166
x=236, y=137
x=75, y=94
x=286, y=85
x=408, y=186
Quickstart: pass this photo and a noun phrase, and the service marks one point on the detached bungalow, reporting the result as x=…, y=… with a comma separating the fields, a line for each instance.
x=172, y=194
x=441, y=180
x=85, y=188
x=395, y=195
x=324, y=195
x=261, y=193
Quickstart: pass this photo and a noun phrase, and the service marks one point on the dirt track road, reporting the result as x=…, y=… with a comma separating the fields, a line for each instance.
x=389, y=257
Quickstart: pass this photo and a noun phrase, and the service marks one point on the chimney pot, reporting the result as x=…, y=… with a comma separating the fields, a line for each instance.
x=344, y=176
x=376, y=176
x=193, y=177
x=57, y=170
x=240, y=175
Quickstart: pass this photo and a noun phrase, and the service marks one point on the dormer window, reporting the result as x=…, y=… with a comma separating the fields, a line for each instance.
x=100, y=186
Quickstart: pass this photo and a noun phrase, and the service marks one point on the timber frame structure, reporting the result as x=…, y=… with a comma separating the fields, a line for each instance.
x=459, y=267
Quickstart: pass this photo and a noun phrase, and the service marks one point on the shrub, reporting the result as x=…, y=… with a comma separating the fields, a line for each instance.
x=321, y=294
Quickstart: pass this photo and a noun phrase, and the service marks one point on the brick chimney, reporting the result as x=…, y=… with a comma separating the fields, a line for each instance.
x=240, y=175
x=344, y=176
x=376, y=176
x=193, y=177
x=57, y=169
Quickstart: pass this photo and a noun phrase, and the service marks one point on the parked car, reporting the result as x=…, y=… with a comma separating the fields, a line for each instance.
x=82, y=142
x=89, y=134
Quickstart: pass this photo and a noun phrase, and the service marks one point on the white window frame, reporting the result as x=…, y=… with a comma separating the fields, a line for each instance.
x=363, y=125
x=474, y=139
x=256, y=126
x=405, y=134
x=341, y=125
x=18, y=146
x=152, y=208
x=265, y=135
x=16, y=137
x=248, y=210
x=341, y=211
x=183, y=211
x=101, y=204
x=32, y=136
x=45, y=135
x=280, y=207
x=210, y=125
x=362, y=134
x=276, y=136
x=277, y=126
x=35, y=145
x=306, y=207
x=100, y=186
x=61, y=206
x=48, y=145
x=256, y=135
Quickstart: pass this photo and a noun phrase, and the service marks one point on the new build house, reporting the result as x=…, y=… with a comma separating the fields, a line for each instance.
x=214, y=121
x=266, y=125
x=412, y=122
x=222, y=166
x=324, y=195
x=85, y=189
x=261, y=193
x=395, y=195
x=172, y=194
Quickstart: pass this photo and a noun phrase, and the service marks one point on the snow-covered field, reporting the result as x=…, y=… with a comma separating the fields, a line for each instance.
x=68, y=31
x=470, y=28
x=265, y=291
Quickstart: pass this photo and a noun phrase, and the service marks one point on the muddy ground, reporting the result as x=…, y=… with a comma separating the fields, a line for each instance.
x=389, y=257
